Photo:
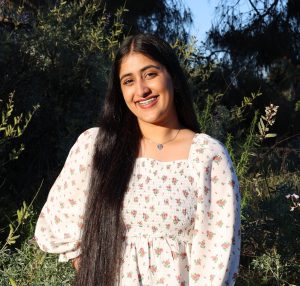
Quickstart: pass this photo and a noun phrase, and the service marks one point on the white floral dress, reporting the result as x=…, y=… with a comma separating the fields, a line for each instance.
x=182, y=217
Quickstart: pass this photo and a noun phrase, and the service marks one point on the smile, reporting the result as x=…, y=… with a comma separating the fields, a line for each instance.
x=148, y=102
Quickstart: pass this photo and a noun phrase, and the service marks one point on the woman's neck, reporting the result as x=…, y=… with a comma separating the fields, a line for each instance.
x=159, y=133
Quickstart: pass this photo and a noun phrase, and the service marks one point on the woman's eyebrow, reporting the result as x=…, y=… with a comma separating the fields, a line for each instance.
x=150, y=66
x=142, y=70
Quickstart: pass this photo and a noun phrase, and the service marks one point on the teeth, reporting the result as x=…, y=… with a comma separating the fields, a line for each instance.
x=145, y=102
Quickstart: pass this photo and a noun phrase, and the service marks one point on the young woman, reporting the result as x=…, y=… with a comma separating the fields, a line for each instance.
x=145, y=199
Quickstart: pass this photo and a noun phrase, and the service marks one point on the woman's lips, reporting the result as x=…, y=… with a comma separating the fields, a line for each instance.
x=144, y=104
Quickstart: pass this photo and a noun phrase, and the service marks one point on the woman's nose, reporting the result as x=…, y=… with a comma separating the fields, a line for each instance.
x=142, y=89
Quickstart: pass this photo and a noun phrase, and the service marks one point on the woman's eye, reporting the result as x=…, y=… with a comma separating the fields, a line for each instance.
x=150, y=75
x=127, y=81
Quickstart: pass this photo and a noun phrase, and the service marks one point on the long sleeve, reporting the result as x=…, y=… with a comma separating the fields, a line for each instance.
x=216, y=242
x=58, y=229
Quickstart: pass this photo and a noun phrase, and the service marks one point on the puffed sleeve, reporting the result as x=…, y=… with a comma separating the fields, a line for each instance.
x=216, y=243
x=58, y=229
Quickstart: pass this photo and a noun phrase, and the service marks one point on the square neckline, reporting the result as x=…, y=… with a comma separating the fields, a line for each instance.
x=172, y=161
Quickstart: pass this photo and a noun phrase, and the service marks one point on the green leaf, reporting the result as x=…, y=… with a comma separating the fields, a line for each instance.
x=12, y=240
x=260, y=129
x=19, y=215
x=12, y=282
x=11, y=230
x=270, y=135
x=262, y=123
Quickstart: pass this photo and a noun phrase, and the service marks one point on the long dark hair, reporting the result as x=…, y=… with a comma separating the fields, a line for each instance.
x=116, y=149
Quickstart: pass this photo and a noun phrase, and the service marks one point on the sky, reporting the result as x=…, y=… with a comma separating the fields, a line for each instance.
x=203, y=12
x=203, y=15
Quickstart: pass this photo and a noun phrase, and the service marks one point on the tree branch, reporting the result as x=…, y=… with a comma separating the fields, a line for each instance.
x=262, y=16
x=254, y=8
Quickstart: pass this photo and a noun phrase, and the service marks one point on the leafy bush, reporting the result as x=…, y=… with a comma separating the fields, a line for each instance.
x=270, y=248
x=28, y=265
x=58, y=59
x=12, y=127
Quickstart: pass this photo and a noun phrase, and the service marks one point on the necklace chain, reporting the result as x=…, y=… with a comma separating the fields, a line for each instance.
x=160, y=146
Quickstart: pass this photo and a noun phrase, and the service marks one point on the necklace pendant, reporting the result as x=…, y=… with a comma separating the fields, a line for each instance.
x=160, y=146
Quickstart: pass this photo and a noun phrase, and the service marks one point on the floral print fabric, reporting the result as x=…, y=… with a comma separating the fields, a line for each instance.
x=182, y=217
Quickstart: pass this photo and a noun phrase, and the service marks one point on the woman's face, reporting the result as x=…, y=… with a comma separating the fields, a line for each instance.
x=147, y=89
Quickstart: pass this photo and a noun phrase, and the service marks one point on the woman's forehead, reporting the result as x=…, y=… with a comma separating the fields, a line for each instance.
x=135, y=62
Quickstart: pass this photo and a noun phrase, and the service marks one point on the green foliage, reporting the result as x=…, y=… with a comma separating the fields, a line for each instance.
x=229, y=146
x=246, y=42
x=270, y=266
x=69, y=27
x=11, y=127
x=269, y=244
x=246, y=103
x=269, y=249
x=28, y=265
x=22, y=215
x=61, y=61
x=247, y=146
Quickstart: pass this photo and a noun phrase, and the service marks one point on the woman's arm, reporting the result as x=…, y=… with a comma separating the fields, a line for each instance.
x=216, y=243
x=59, y=226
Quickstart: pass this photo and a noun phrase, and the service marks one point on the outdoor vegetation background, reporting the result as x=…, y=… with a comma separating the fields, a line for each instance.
x=245, y=79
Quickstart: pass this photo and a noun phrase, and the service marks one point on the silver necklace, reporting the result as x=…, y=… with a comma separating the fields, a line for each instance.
x=160, y=146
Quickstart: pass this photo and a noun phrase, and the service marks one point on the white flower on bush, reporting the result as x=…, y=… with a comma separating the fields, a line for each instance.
x=270, y=113
x=266, y=121
x=292, y=196
x=294, y=199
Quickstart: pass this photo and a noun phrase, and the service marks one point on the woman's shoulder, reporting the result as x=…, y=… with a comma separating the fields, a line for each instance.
x=88, y=135
x=204, y=143
x=85, y=142
x=205, y=140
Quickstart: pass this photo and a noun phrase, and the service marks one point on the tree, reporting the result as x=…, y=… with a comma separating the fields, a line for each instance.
x=260, y=39
x=168, y=19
